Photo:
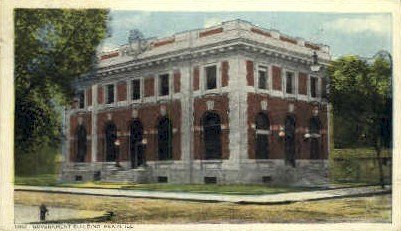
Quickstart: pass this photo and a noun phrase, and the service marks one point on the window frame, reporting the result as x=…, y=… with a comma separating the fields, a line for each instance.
x=106, y=93
x=293, y=82
x=267, y=71
x=132, y=90
x=314, y=77
x=205, y=82
x=159, y=84
x=82, y=93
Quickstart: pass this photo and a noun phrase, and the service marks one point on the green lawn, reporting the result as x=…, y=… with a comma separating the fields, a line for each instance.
x=51, y=180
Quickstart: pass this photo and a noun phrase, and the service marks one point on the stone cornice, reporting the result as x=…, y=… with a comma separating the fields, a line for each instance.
x=234, y=45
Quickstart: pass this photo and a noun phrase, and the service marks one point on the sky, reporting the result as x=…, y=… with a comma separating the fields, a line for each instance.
x=358, y=34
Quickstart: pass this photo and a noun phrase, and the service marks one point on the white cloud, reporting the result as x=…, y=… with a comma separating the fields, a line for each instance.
x=212, y=22
x=376, y=23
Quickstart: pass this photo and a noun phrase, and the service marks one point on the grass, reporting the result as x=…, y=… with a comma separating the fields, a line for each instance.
x=37, y=180
x=135, y=210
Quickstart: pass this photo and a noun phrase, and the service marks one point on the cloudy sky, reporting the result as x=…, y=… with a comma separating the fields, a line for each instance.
x=360, y=34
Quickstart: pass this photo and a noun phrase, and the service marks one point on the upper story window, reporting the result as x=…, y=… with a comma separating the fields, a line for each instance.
x=263, y=78
x=313, y=87
x=136, y=89
x=289, y=76
x=81, y=99
x=110, y=93
x=211, y=77
x=163, y=84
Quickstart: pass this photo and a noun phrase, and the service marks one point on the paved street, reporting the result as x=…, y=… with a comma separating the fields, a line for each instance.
x=251, y=199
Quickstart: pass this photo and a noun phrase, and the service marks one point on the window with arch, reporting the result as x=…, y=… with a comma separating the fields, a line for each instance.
x=136, y=136
x=289, y=129
x=81, y=144
x=262, y=136
x=314, y=128
x=211, y=135
x=111, y=137
x=165, y=139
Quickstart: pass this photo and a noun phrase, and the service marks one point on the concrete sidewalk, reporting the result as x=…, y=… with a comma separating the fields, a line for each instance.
x=280, y=198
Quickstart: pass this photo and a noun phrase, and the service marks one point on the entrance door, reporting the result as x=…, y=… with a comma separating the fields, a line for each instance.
x=211, y=135
x=315, y=131
x=262, y=137
x=290, y=140
x=111, y=136
x=136, y=136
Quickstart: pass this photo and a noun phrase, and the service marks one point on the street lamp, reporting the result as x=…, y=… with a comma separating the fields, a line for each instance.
x=117, y=146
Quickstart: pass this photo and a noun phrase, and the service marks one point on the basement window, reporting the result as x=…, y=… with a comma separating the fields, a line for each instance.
x=162, y=179
x=210, y=180
x=96, y=176
x=266, y=179
x=78, y=178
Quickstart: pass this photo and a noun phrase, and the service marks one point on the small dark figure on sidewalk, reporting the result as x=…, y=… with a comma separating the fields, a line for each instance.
x=43, y=211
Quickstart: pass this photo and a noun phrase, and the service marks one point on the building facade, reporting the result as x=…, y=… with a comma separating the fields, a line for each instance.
x=234, y=103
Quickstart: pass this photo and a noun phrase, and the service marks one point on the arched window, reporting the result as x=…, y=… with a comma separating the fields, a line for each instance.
x=136, y=136
x=211, y=135
x=314, y=128
x=289, y=127
x=262, y=136
x=111, y=136
x=165, y=138
x=81, y=144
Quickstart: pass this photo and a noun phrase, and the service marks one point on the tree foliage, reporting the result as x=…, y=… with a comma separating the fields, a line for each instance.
x=52, y=48
x=361, y=98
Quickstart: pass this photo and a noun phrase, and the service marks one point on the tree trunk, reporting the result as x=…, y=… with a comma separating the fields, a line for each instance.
x=380, y=162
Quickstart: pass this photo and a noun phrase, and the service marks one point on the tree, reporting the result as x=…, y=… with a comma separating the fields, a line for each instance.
x=52, y=48
x=361, y=95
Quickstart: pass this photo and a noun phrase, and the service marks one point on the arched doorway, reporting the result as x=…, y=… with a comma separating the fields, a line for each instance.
x=165, y=138
x=314, y=128
x=289, y=138
x=111, y=136
x=211, y=135
x=81, y=144
x=136, y=136
x=262, y=137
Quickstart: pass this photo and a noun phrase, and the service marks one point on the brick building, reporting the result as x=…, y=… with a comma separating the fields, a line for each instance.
x=234, y=103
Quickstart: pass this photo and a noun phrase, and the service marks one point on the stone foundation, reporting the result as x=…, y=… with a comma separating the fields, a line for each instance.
x=270, y=172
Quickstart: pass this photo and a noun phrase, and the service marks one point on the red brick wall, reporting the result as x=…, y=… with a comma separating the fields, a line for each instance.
x=221, y=108
x=100, y=96
x=87, y=123
x=149, y=86
x=149, y=116
x=121, y=91
x=224, y=73
x=303, y=83
x=249, y=73
x=89, y=96
x=276, y=78
x=195, y=83
x=177, y=81
x=277, y=110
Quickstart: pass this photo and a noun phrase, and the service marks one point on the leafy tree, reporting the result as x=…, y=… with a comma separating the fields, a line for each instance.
x=52, y=48
x=361, y=99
